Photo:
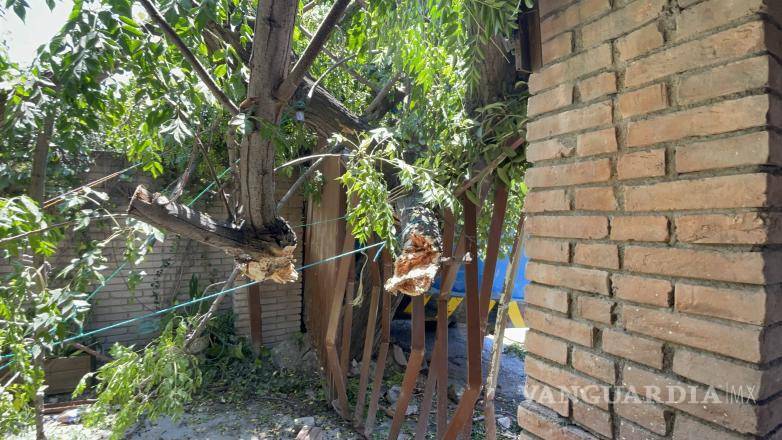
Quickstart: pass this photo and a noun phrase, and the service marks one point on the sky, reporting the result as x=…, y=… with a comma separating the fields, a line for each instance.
x=40, y=25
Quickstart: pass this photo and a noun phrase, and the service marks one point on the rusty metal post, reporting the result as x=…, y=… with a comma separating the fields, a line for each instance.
x=499, y=332
x=414, y=362
x=474, y=334
x=385, y=339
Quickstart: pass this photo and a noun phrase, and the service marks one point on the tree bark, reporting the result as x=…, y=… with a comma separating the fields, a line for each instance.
x=40, y=159
x=417, y=266
x=261, y=253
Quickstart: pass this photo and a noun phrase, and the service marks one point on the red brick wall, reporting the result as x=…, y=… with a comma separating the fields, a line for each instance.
x=654, y=238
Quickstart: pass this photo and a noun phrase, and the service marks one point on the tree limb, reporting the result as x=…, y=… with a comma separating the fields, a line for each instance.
x=381, y=95
x=210, y=83
x=212, y=309
x=291, y=82
x=263, y=254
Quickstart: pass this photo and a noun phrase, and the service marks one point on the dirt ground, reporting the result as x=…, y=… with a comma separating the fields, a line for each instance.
x=282, y=417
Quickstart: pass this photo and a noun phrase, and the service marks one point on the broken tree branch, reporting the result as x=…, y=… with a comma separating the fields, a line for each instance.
x=262, y=254
x=212, y=309
x=487, y=169
x=381, y=95
x=291, y=82
x=207, y=79
x=351, y=71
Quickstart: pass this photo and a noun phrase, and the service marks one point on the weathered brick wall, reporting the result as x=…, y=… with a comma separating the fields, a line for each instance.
x=280, y=303
x=169, y=268
x=654, y=225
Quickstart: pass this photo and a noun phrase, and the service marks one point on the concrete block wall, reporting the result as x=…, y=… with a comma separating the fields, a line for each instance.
x=653, y=220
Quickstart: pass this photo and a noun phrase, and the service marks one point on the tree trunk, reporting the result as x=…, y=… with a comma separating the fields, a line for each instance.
x=417, y=265
x=40, y=159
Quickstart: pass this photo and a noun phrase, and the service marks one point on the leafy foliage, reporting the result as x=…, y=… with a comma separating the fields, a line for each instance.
x=159, y=381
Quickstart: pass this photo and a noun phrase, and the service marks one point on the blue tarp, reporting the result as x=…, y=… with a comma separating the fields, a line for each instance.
x=499, y=280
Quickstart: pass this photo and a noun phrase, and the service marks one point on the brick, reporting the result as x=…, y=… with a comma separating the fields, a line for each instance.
x=736, y=228
x=642, y=101
x=635, y=348
x=639, y=228
x=546, y=424
x=548, y=250
x=755, y=305
x=547, y=396
x=642, y=290
x=597, y=86
x=588, y=280
x=597, y=254
x=717, y=118
x=711, y=14
x=750, y=149
x=546, y=347
x=564, y=328
x=585, y=389
x=594, y=419
x=595, y=199
x=594, y=309
x=557, y=47
x=750, y=74
x=542, y=296
x=736, y=191
x=713, y=49
x=738, y=267
x=629, y=431
x=572, y=68
x=569, y=174
x=550, y=100
x=738, y=342
x=733, y=415
x=595, y=115
x=568, y=226
x=621, y=21
x=594, y=365
x=642, y=412
x=546, y=201
x=737, y=379
x=639, y=42
x=550, y=6
x=686, y=428
x=596, y=142
x=572, y=17
x=550, y=149
x=641, y=164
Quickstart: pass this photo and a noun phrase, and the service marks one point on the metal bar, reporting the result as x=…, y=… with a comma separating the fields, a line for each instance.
x=414, y=362
x=493, y=249
x=436, y=366
x=385, y=339
x=333, y=326
x=369, y=339
x=474, y=343
x=499, y=332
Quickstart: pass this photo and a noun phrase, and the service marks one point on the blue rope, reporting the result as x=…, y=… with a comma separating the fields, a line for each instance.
x=204, y=298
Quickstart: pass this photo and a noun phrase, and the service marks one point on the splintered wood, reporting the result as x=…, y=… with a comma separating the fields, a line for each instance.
x=417, y=266
x=262, y=255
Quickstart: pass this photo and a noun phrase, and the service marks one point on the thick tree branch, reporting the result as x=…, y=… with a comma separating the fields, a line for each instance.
x=262, y=254
x=210, y=83
x=302, y=66
x=357, y=76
